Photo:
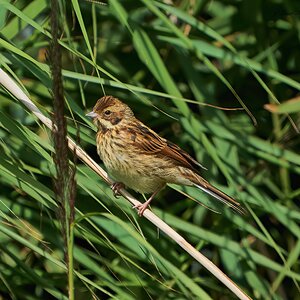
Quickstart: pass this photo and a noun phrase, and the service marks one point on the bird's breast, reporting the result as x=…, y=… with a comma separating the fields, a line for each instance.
x=125, y=164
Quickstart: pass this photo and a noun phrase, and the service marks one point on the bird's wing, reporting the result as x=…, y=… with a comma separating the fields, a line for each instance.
x=151, y=143
x=174, y=151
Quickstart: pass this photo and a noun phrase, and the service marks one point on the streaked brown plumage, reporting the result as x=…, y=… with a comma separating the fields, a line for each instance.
x=142, y=160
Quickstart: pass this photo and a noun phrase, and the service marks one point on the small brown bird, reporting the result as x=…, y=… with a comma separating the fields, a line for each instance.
x=140, y=159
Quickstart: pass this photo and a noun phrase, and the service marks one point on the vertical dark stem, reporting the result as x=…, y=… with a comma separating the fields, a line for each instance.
x=64, y=183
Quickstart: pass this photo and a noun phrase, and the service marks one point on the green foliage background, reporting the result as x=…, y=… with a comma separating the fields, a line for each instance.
x=166, y=61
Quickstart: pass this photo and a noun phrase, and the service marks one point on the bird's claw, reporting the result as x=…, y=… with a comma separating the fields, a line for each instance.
x=116, y=187
x=140, y=208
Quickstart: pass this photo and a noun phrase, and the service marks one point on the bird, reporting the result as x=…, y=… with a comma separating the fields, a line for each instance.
x=138, y=158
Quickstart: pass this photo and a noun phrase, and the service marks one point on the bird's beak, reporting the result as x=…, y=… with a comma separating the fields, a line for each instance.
x=91, y=114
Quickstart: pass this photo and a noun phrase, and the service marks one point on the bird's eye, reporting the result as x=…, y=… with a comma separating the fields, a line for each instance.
x=107, y=112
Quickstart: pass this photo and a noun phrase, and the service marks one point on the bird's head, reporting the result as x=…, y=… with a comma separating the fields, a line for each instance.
x=110, y=112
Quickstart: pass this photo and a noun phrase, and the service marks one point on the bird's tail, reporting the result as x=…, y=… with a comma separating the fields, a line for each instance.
x=219, y=195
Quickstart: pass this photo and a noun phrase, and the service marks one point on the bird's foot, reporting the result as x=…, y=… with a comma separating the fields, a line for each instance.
x=116, y=187
x=141, y=208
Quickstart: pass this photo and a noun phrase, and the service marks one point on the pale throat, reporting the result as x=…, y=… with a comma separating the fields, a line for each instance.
x=108, y=124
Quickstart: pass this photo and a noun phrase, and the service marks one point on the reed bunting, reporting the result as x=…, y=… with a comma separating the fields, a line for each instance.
x=137, y=157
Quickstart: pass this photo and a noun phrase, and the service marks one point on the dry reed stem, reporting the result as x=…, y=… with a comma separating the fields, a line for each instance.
x=13, y=88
